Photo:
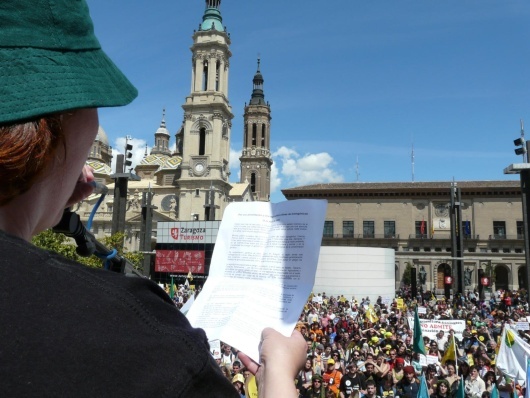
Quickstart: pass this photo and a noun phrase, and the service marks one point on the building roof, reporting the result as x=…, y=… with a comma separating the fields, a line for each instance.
x=239, y=188
x=403, y=188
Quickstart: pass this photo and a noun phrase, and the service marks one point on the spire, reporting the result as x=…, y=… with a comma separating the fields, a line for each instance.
x=162, y=137
x=258, y=98
x=212, y=20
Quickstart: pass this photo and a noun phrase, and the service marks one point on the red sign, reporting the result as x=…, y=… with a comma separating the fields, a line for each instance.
x=182, y=261
x=485, y=281
x=448, y=280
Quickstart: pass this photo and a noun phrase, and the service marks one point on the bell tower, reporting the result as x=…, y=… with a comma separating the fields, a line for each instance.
x=204, y=186
x=256, y=159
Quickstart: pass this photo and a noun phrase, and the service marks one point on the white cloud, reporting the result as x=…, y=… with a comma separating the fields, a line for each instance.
x=235, y=165
x=138, y=151
x=296, y=170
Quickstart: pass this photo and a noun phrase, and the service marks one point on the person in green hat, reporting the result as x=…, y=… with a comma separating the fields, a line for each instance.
x=68, y=330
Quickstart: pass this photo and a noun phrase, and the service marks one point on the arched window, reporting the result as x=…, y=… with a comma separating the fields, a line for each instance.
x=253, y=182
x=205, y=76
x=217, y=70
x=202, y=141
x=263, y=135
x=254, y=133
x=245, y=136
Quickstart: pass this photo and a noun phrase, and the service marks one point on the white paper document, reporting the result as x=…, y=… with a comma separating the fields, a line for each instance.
x=262, y=271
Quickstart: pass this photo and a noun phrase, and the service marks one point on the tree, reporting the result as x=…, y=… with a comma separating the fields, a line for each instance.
x=407, y=277
x=61, y=244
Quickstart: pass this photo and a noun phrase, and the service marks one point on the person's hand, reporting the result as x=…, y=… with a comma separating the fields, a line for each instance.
x=83, y=188
x=281, y=358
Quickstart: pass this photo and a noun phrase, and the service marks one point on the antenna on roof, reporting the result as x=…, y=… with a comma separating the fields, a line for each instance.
x=357, y=174
x=412, y=160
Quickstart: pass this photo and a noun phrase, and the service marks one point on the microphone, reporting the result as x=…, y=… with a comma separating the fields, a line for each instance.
x=99, y=188
x=71, y=226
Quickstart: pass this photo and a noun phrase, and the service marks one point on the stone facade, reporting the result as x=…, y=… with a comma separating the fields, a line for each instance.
x=413, y=219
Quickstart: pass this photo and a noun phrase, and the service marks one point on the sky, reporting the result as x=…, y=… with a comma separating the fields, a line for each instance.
x=353, y=85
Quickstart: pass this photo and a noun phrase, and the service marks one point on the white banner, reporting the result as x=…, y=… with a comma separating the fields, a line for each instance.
x=429, y=327
x=215, y=348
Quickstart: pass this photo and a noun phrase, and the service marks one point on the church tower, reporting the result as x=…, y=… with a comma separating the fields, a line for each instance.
x=256, y=159
x=203, y=184
x=162, y=138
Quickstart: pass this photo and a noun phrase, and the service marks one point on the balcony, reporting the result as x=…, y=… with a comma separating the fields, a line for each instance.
x=441, y=236
x=361, y=236
x=506, y=237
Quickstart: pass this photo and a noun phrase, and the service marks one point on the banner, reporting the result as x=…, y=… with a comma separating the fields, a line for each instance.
x=429, y=327
x=184, y=261
x=215, y=348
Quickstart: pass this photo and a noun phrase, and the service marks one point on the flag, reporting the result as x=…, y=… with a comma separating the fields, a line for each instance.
x=513, y=355
x=187, y=305
x=172, y=289
x=422, y=227
x=467, y=228
x=450, y=352
x=460, y=390
x=432, y=228
x=494, y=392
x=370, y=314
x=423, y=391
x=418, y=345
x=190, y=276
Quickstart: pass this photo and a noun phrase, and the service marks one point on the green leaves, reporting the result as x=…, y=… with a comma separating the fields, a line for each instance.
x=65, y=246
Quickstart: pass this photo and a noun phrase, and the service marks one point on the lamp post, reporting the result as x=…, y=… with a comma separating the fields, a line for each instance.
x=523, y=169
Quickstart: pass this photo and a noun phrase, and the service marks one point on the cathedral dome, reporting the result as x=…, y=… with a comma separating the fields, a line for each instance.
x=102, y=136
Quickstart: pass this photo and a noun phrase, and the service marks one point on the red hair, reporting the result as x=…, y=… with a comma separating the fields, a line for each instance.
x=26, y=149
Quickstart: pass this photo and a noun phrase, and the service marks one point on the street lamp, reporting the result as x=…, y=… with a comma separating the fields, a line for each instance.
x=523, y=169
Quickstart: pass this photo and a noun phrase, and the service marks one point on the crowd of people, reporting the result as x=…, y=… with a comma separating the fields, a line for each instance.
x=364, y=349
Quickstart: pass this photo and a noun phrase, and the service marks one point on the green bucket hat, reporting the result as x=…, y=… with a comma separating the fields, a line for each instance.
x=51, y=61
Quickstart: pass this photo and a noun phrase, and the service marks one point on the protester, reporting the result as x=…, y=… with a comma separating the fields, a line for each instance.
x=69, y=330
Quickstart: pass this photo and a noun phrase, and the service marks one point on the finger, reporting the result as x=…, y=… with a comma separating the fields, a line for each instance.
x=248, y=362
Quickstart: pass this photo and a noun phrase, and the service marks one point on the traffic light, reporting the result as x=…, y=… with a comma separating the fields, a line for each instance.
x=128, y=154
x=521, y=144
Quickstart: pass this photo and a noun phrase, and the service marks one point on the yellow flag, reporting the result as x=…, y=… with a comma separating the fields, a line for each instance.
x=450, y=352
x=190, y=276
x=370, y=314
x=251, y=387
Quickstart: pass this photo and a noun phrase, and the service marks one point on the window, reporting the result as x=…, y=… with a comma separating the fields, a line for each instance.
x=254, y=133
x=421, y=229
x=494, y=250
x=506, y=250
x=368, y=229
x=217, y=71
x=202, y=141
x=253, y=182
x=472, y=250
x=263, y=135
x=347, y=229
x=390, y=229
x=205, y=76
x=520, y=230
x=483, y=249
x=328, y=229
x=499, y=229
x=518, y=250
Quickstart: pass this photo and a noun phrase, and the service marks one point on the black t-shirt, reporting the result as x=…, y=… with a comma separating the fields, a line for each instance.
x=351, y=382
x=67, y=330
